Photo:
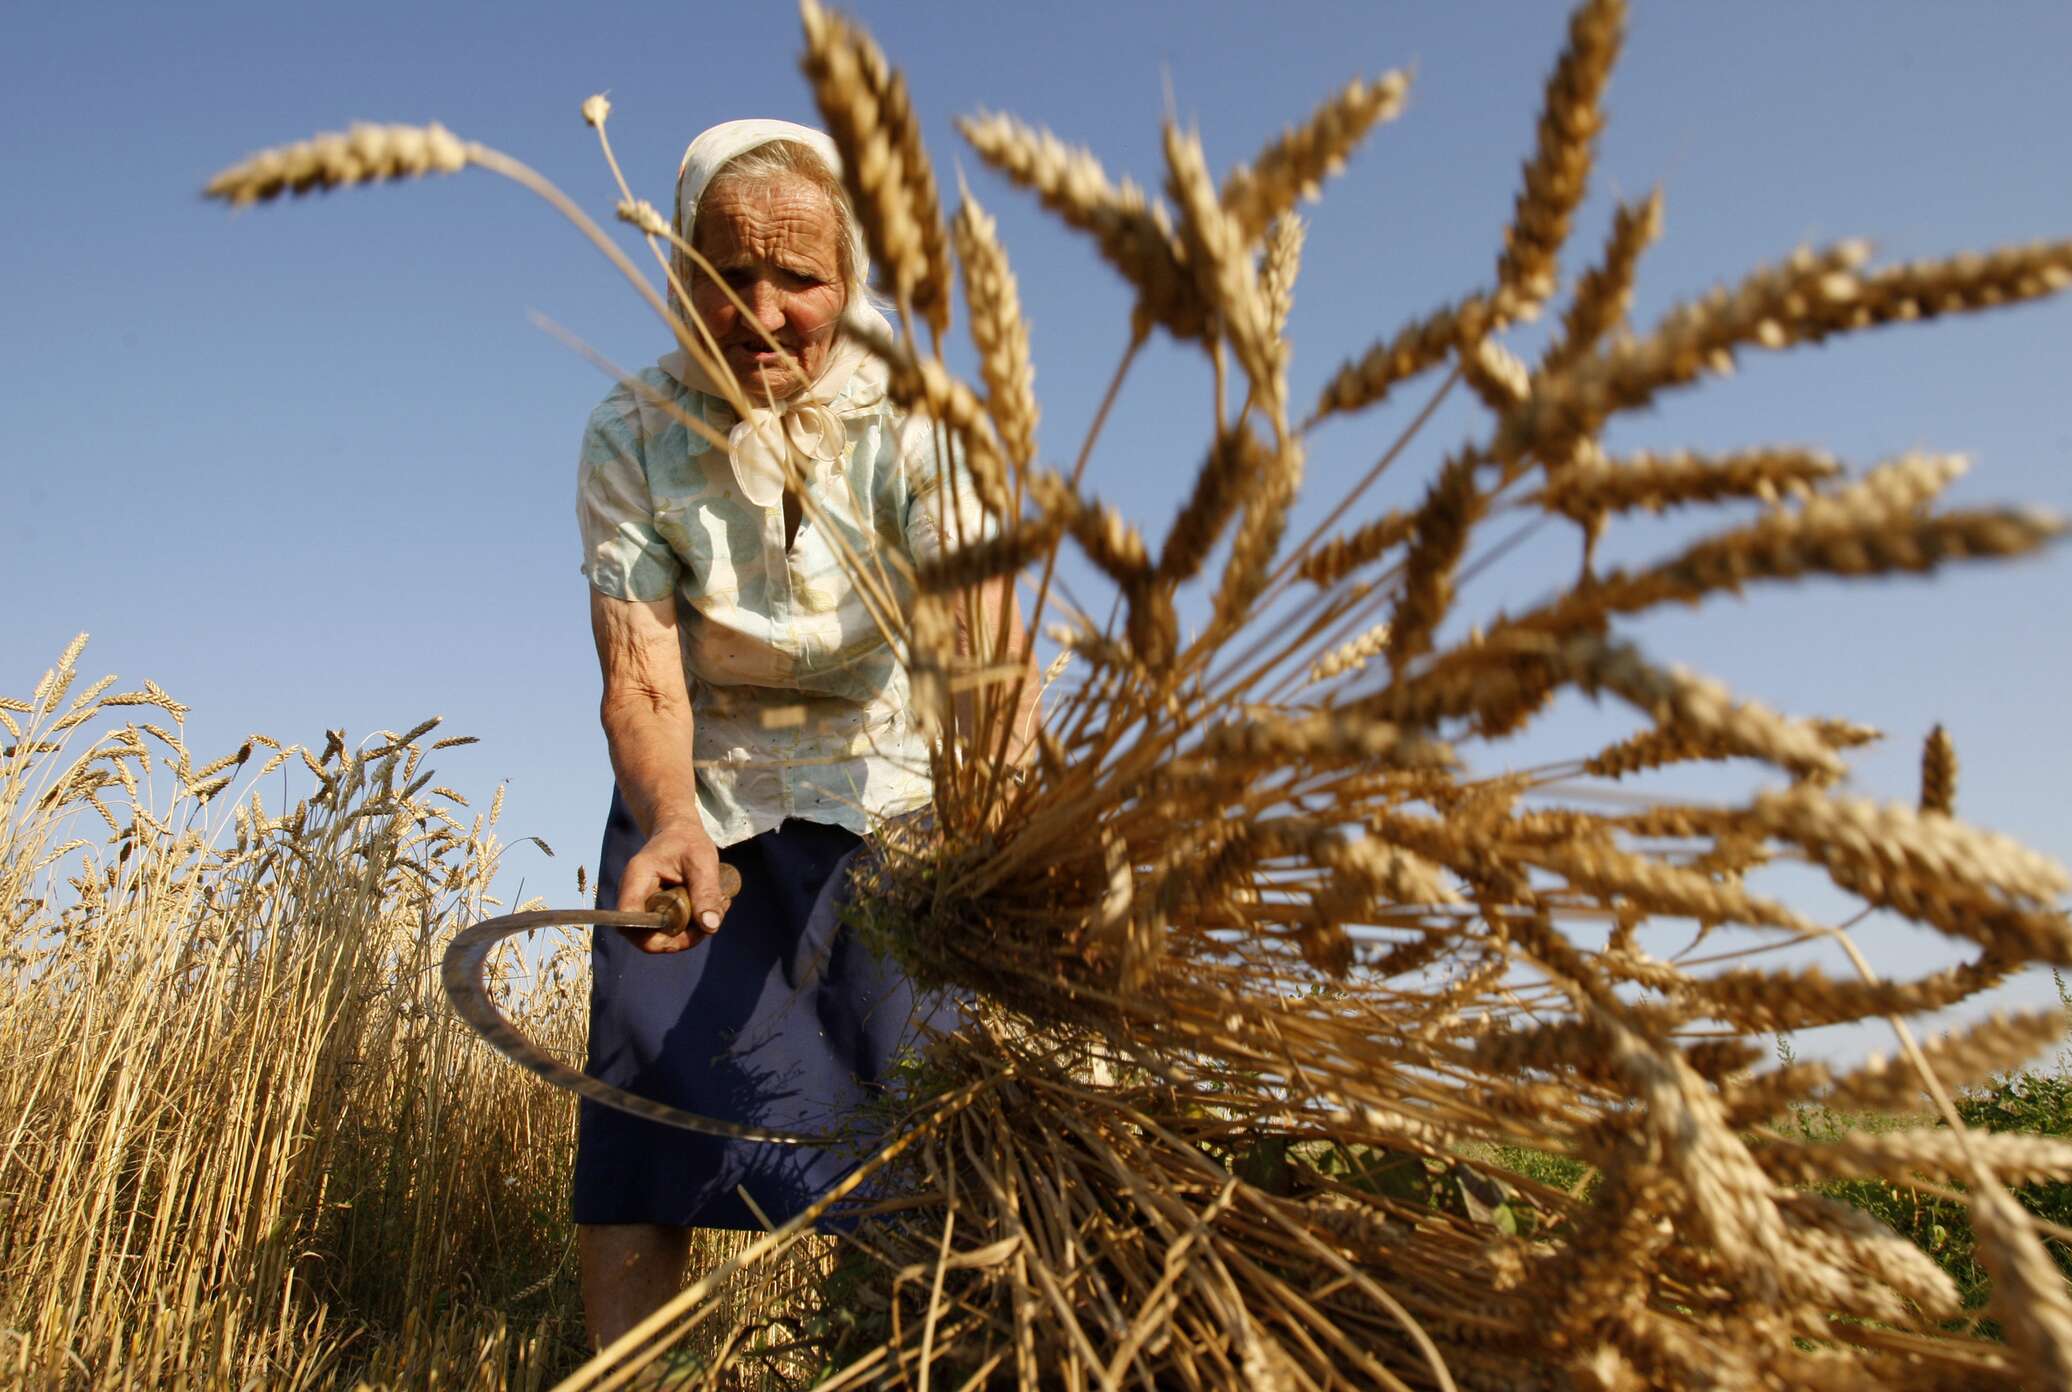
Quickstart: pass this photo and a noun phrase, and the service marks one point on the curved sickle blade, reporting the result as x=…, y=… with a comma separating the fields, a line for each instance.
x=461, y=973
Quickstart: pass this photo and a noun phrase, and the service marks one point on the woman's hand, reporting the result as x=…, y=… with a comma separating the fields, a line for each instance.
x=648, y=724
x=678, y=853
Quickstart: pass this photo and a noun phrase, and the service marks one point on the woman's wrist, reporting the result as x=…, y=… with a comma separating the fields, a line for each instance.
x=679, y=821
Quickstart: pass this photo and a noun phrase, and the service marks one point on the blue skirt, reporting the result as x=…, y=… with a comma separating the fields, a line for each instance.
x=780, y=1020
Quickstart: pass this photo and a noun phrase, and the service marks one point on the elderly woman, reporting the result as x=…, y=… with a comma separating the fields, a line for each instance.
x=755, y=715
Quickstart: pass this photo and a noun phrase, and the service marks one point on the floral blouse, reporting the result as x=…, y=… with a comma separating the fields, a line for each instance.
x=800, y=706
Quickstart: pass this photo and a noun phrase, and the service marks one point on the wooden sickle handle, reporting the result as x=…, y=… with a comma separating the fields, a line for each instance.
x=674, y=903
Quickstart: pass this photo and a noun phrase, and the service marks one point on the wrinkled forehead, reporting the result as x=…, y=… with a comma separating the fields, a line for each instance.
x=781, y=217
x=700, y=173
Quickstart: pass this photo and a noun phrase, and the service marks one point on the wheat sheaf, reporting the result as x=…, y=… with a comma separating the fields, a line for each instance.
x=1276, y=955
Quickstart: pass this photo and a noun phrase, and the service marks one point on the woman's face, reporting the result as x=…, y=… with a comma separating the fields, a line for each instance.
x=777, y=244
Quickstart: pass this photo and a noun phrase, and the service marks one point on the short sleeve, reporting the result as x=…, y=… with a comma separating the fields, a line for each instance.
x=623, y=555
x=943, y=508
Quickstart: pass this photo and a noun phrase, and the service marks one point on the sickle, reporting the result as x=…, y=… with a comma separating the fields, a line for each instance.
x=467, y=956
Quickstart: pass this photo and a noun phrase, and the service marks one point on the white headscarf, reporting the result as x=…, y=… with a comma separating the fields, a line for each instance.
x=807, y=424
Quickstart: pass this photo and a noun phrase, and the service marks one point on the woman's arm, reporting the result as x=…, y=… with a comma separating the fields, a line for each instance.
x=647, y=724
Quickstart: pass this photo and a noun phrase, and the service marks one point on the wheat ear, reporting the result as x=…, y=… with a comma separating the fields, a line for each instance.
x=1421, y=344
x=1259, y=534
x=1961, y=1057
x=1439, y=534
x=1961, y=284
x=1596, y=484
x=2028, y=1289
x=1352, y=655
x=1296, y=164
x=1939, y=773
x=1224, y=274
x=1219, y=487
x=364, y=154
x=1331, y=561
x=1133, y=236
x=1605, y=291
x=371, y=153
x=926, y=386
x=1109, y=540
x=998, y=330
x=1278, y=269
x=1559, y=170
x=884, y=163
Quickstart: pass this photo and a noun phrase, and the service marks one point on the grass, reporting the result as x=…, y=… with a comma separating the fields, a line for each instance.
x=2035, y=1101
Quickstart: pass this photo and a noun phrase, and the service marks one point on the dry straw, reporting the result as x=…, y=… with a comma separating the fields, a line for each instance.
x=1287, y=980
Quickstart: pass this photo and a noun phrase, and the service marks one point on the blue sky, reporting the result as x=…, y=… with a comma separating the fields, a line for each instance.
x=312, y=465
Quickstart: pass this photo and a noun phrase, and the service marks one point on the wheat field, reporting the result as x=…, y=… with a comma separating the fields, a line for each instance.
x=248, y=1144
x=1280, y=959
